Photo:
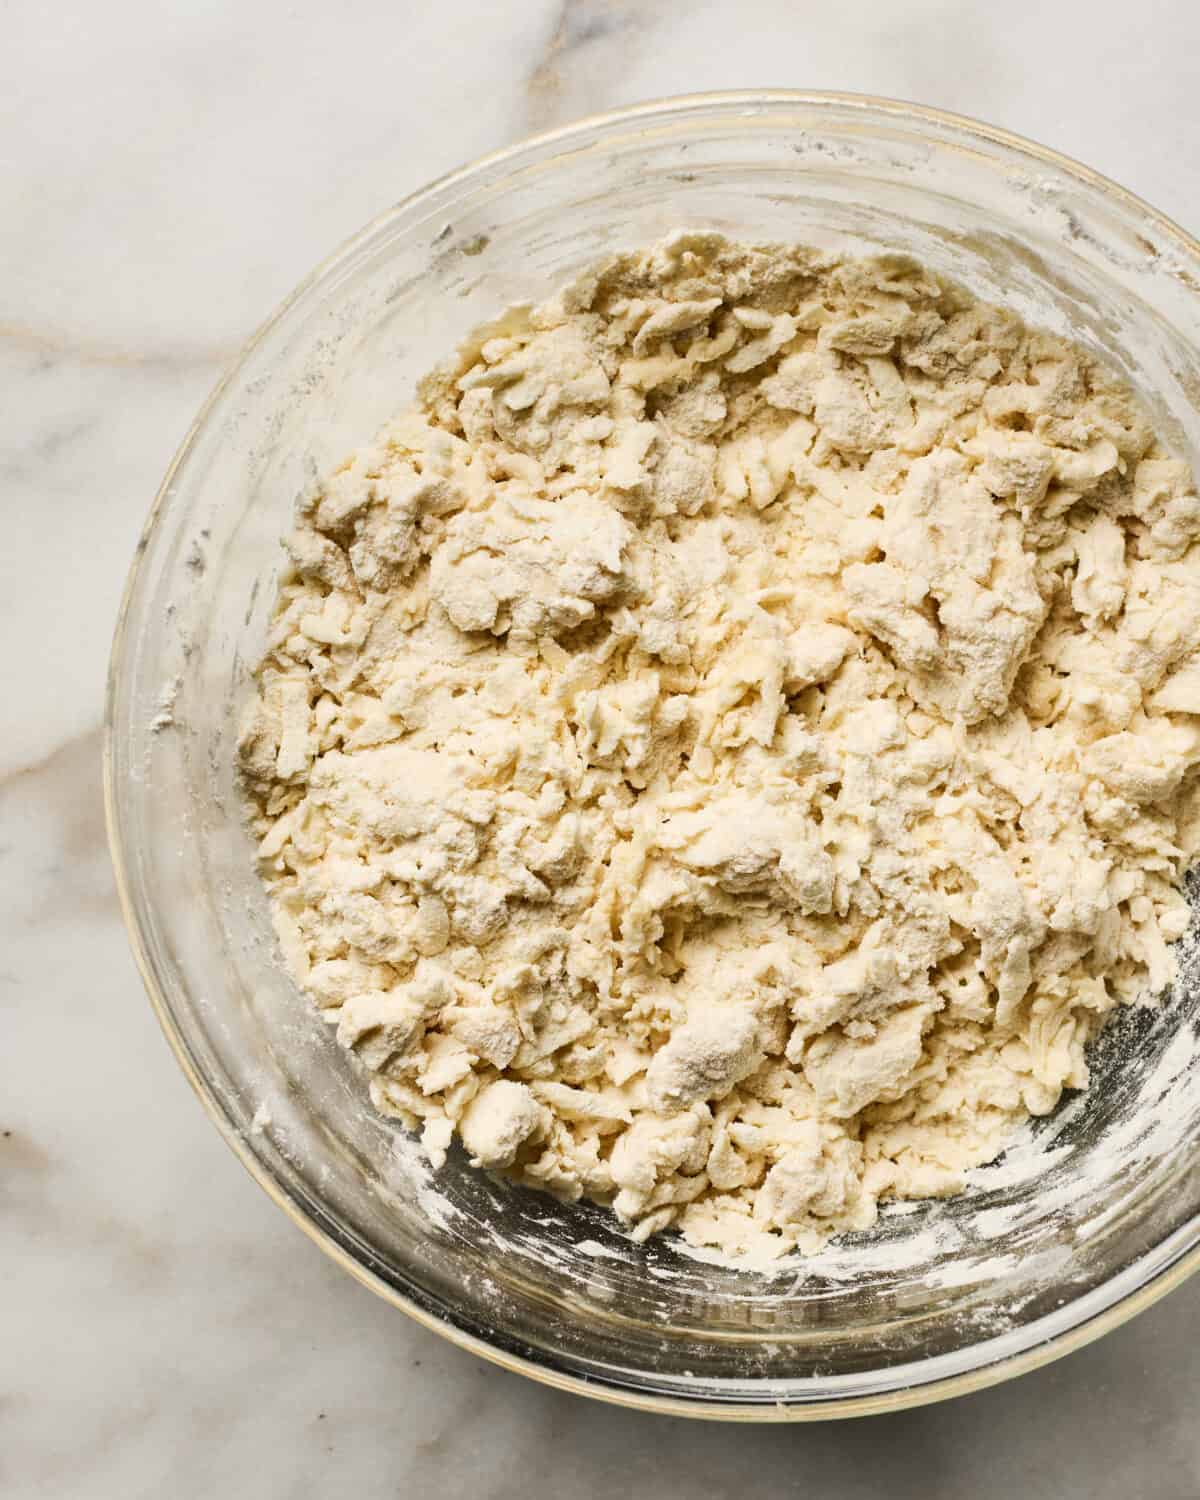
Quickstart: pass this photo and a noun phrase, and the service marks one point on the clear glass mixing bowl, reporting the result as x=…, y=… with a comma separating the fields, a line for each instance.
x=1090, y=1218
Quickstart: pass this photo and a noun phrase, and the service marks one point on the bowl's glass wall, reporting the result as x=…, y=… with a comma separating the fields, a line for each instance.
x=940, y=1291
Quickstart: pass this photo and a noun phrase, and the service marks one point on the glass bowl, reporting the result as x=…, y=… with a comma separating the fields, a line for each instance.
x=1090, y=1216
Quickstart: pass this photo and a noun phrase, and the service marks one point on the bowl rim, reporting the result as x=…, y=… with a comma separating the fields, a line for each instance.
x=1177, y=1262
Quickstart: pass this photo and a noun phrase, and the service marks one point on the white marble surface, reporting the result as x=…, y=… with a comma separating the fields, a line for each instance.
x=169, y=171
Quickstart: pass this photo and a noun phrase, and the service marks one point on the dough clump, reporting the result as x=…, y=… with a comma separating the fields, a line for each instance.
x=726, y=750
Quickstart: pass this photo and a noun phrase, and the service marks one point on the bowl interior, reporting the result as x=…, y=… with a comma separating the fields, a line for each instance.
x=1086, y=1208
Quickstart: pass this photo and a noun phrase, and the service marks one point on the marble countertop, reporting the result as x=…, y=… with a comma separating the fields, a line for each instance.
x=170, y=172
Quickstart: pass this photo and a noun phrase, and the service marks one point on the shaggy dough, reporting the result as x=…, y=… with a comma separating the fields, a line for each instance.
x=725, y=752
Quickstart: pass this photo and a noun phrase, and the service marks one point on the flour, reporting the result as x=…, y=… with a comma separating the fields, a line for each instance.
x=725, y=752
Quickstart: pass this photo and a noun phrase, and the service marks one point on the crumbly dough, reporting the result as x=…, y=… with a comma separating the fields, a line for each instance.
x=725, y=752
